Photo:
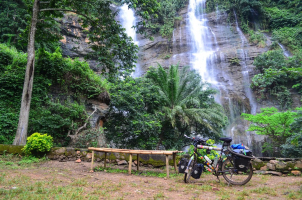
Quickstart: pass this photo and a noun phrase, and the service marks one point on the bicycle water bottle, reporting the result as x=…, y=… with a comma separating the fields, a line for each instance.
x=208, y=159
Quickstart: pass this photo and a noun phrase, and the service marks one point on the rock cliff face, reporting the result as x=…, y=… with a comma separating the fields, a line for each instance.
x=230, y=67
x=231, y=61
x=75, y=45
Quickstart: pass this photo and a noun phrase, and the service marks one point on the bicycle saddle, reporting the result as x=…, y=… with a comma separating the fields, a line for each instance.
x=226, y=139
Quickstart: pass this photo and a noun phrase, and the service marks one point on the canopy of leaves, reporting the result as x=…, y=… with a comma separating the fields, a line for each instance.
x=155, y=111
x=293, y=144
x=278, y=76
x=13, y=20
x=182, y=105
x=133, y=120
x=272, y=123
x=68, y=80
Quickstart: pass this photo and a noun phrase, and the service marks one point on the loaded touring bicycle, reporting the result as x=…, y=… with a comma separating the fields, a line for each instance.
x=234, y=164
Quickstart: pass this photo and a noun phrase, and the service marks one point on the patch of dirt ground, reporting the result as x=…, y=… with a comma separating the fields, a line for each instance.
x=70, y=180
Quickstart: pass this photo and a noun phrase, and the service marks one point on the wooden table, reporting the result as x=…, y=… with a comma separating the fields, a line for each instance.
x=138, y=152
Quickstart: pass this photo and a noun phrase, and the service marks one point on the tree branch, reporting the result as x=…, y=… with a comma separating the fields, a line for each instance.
x=79, y=129
x=44, y=2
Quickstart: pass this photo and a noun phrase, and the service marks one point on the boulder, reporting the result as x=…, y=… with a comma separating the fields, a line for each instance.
x=264, y=168
x=271, y=167
x=298, y=165
x=257, y=163
x=122, y=162
x=89, y=155
x=273, y=162
x=296, y=173
x=280, y=166
x=274, y=173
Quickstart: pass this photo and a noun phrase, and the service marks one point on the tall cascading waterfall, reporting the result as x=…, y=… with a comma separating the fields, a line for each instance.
x=209, y=47
x=128, y=20
x=205, y=57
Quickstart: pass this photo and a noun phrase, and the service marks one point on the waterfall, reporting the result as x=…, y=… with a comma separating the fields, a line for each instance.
x=206, y=56
x=202, y=52
x=243, y=57
x=128, y=20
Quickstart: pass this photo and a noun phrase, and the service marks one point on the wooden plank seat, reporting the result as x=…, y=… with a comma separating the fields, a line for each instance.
x=134, y=151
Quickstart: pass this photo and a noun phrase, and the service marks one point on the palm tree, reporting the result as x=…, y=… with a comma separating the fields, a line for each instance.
x=181, y=90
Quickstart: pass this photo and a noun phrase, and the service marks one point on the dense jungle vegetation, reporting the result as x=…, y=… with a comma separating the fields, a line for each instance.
x=153, y=111
x=279, y=77
x=148, y=118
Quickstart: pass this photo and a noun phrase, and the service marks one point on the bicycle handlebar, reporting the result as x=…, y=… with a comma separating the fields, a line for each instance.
x=197, y=140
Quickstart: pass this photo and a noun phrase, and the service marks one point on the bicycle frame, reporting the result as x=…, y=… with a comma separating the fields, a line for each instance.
x=209, y=167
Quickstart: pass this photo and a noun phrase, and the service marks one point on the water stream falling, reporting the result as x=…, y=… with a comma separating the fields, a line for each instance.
x=128, y=20
x=204, y=54
x=194, y=43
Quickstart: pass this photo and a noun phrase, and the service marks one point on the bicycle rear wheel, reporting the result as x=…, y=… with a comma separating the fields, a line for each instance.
x=235, y=177
x=188, y=175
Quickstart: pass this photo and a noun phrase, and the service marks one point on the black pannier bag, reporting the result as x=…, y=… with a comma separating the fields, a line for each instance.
x=182, y=165
x=242, y=163
x=197, y=170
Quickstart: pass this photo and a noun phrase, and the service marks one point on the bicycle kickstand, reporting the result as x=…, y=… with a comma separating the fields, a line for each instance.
x=218, y=178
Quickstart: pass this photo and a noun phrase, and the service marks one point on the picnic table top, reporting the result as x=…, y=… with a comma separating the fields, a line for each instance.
x=134, y=151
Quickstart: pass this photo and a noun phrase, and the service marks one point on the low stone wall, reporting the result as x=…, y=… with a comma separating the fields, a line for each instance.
x=278, y=166
x=64, y=154
x=274, y=166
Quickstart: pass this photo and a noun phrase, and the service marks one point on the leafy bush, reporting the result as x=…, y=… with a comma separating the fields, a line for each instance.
x=38, y=144
x=60, y=86
x=293, y=146
x=279, y=18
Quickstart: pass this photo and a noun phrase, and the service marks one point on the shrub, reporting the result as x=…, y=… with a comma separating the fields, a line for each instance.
x=38, y=144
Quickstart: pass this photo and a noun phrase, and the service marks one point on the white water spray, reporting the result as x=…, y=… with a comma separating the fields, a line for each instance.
x=128, y=20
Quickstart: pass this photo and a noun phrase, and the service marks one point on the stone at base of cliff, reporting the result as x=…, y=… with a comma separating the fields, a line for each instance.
x=274, y=173
x=78, y=161
x=259, y=172
x=296, y=173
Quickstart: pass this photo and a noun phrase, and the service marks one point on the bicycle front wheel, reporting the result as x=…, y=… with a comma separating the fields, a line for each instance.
x=235, y=177
x=188, y=175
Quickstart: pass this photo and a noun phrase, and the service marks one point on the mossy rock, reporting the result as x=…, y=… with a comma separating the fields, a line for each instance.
x=257, y=164
x=12, y=149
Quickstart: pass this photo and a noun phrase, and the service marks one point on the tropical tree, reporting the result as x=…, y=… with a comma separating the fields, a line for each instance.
x=182, y=105
x=109, y=42
x=272, y=123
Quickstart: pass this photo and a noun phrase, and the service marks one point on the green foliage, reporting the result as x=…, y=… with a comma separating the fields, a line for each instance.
x=180, y=90
x=293, y=144
x=272, y=123
x=257, y=38
x=13, y=20
x=279, y=18
x=143, y=110
x=68, y=80
x=277, y=76
x=132, y=120
x=289, y=36
x=88, y=138
x=38, y=144
x=213, y=154
x=164, y=18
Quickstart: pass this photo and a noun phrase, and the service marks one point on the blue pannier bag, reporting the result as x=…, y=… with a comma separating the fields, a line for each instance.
x=238, y=146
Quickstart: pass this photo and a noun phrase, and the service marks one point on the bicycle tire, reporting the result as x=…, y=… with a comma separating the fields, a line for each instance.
x=233, y=176
x=188, y=175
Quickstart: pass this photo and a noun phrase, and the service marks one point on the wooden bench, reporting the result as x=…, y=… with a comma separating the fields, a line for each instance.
x=138, y=152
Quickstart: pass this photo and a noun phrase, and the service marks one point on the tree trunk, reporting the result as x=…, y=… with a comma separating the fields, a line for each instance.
x=21, y=134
